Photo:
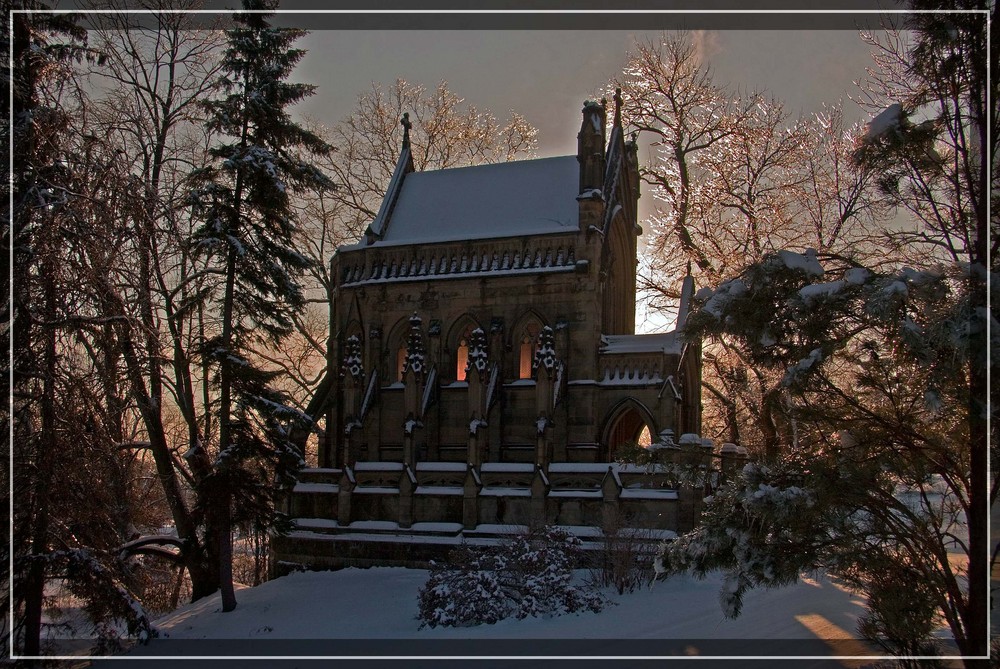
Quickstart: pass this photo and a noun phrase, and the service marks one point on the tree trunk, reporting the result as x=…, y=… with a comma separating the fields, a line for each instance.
x=225, y=530
x=46, y=449
x=975, y=616
x=223, y=498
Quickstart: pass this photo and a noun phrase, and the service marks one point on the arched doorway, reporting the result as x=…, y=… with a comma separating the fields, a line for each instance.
x=629, y=422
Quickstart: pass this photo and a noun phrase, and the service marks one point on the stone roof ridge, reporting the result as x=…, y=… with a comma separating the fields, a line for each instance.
x=404, y=166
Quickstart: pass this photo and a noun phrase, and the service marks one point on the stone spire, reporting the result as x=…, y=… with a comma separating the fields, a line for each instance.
x=405, y=122
x=590, y=146
x=687, y=293
x=618, y=107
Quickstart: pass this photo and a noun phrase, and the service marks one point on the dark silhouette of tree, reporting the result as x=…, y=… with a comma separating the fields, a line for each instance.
x=247, y=230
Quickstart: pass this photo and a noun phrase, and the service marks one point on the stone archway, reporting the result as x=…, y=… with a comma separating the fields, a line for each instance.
x=629, y=421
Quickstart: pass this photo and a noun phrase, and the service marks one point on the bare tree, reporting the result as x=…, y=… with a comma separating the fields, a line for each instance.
x=933, y=142
x=69, y=407
x=734, y=177
x=151, y=90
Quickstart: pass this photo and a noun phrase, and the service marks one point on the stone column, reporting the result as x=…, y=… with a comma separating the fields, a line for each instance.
x=347, y=484
x=539, y=492
x=612, y=492
x=470, y=498
x=407, y=485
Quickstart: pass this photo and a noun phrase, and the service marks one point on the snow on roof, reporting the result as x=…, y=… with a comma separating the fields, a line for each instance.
x=527, y=197
x=645, y=343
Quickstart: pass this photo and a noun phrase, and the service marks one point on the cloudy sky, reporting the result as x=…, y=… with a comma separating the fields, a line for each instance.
x=546, y=75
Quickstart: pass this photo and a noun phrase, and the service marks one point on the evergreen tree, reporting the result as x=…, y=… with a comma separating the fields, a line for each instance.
x=248, y=225
x=876, y=482
x=881, y=471
x=934, y=144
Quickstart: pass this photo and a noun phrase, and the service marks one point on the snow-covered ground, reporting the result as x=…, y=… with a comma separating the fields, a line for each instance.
x=381, y=603
x=356, y=612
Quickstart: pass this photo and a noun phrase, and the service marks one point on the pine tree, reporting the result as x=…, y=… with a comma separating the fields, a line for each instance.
x=876, y=481
x=248, y=225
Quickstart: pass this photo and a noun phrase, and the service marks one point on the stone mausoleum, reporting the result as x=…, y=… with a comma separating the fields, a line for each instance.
x=489, y=370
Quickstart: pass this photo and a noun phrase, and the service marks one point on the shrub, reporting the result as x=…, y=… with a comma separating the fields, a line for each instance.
x=526, y=575
x=626, y=560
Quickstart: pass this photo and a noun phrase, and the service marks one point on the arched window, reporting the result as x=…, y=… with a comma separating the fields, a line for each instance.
x=458, y=344
x=395, y=350
x=526, y=350
x=461, y=357
x=400, y=361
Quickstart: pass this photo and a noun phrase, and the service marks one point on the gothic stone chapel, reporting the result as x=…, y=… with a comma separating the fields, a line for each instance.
x=484, y=335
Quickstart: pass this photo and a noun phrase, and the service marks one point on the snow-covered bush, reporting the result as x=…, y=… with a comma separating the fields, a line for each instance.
x=527, y=575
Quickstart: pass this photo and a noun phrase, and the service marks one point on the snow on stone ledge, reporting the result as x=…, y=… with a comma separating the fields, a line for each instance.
x=507, y=467
x=441, y=466
x=378, y=467
x=645, y=343
x=316, y=487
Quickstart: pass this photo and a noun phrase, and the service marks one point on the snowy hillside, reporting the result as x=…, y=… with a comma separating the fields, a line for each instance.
x=339, y=613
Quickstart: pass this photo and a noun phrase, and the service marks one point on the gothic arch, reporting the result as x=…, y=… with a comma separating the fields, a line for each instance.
x=354, y=328
x=395, y=341
x=624, y=423
x=618, y=264
x=523, y=339
x=457, y=334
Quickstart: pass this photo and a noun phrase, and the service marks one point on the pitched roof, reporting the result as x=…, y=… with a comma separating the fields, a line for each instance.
x=528, y=197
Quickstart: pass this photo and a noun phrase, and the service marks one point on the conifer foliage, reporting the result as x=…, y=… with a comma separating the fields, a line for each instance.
x=877, y=481
x=246, y=231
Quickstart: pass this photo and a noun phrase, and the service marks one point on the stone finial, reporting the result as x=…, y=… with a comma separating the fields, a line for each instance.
x=406, y=128
x=545, y=354
x=353, y=365
x=478, y=357
x=416, y=353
